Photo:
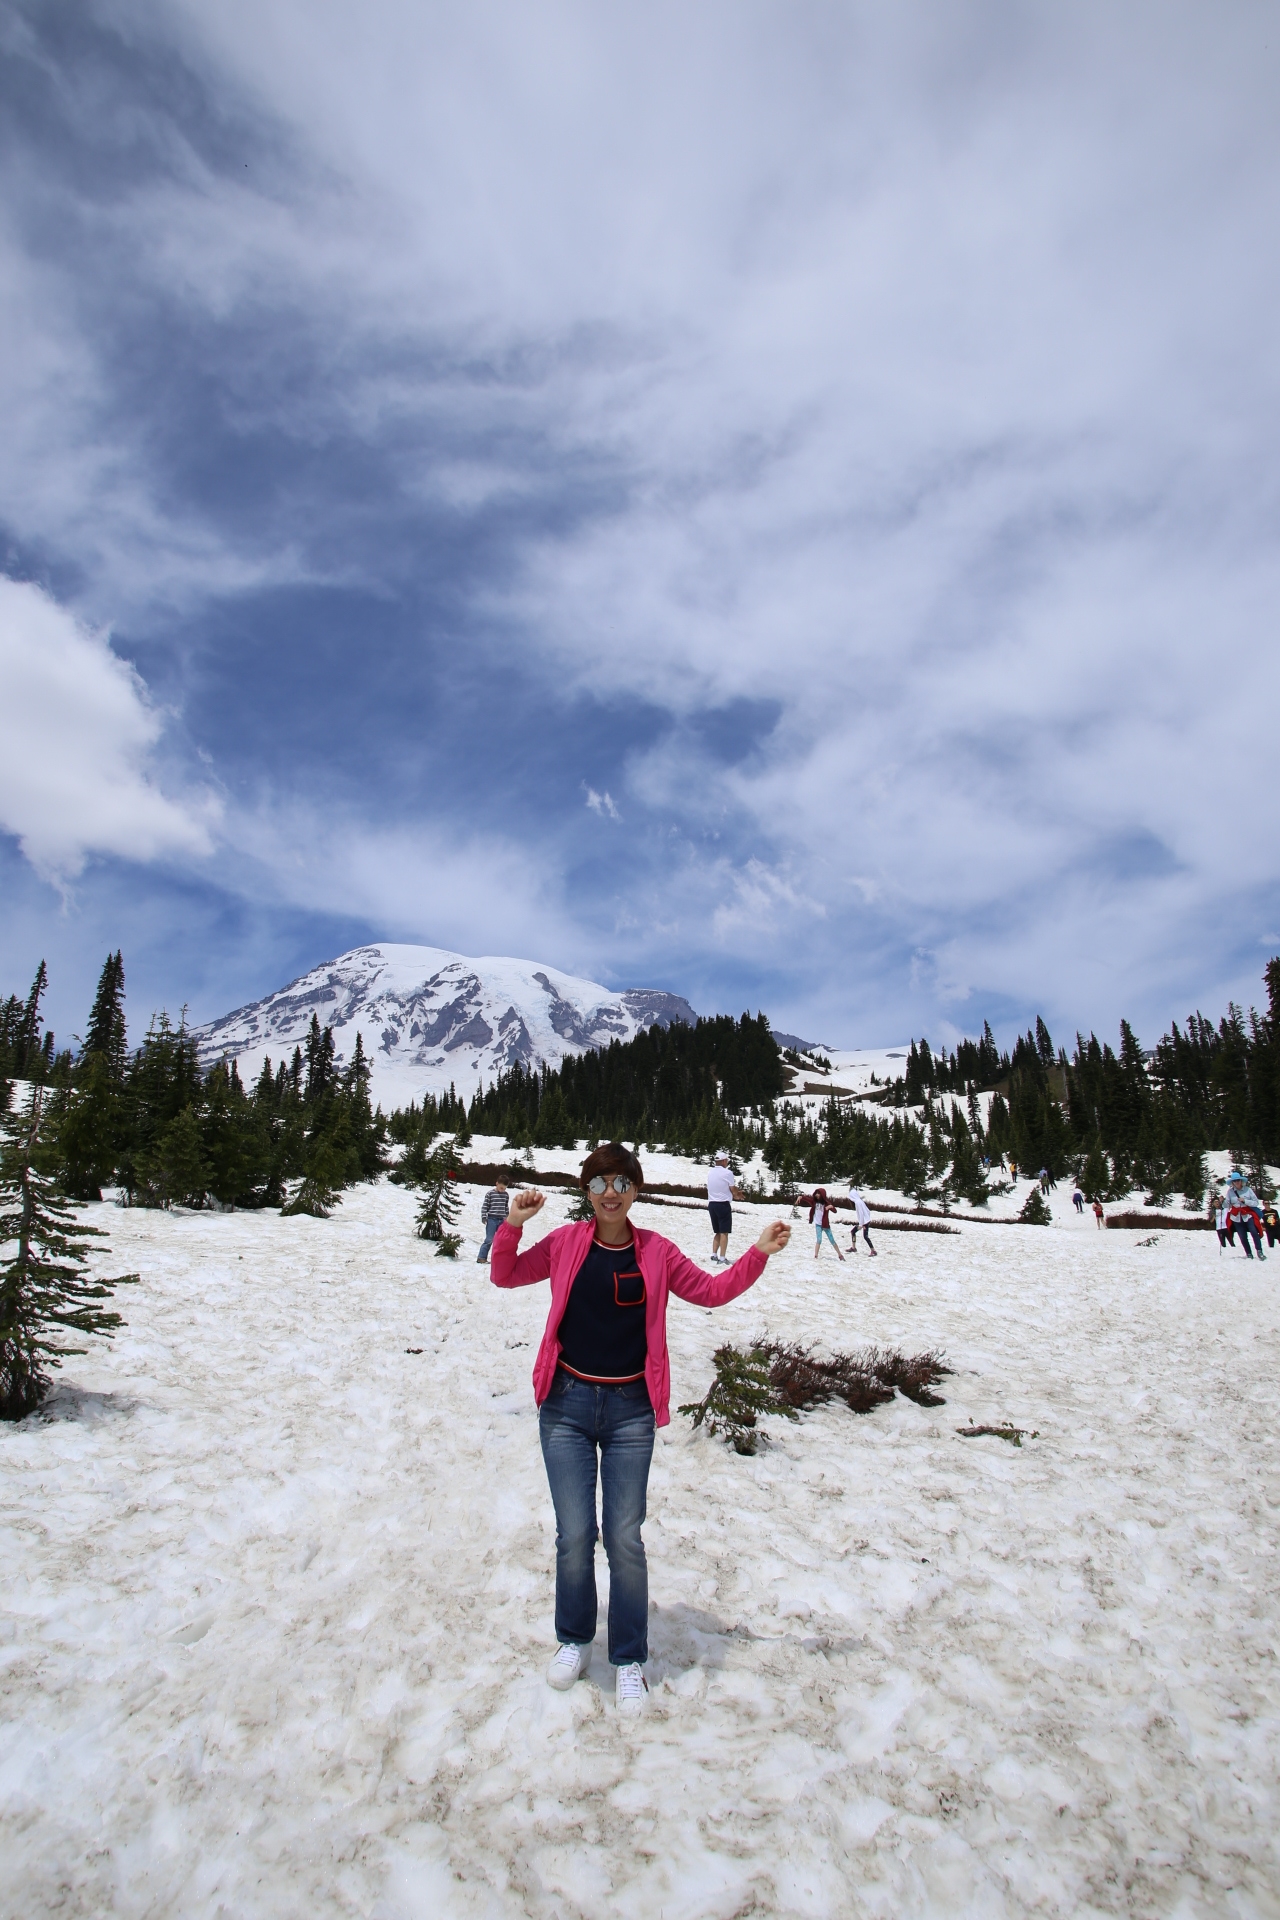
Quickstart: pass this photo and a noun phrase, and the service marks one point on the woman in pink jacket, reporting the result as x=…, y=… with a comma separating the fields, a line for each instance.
x=602, y=1383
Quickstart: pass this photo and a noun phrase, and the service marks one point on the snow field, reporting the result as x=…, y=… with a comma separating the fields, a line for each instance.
x=280, y=1594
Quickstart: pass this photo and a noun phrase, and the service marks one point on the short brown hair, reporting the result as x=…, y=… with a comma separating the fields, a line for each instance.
x=613, y=1158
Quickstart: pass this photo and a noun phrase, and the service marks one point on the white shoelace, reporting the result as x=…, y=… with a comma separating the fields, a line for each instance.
x=631, y=1685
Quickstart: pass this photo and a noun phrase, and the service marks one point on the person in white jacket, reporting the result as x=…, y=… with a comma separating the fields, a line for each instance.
x=862, y=1220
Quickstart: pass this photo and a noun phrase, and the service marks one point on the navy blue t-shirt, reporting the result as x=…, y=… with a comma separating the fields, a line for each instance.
x=602, y=1335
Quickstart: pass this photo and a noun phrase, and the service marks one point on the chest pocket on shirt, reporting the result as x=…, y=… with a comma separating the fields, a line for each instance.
x=628, y=1289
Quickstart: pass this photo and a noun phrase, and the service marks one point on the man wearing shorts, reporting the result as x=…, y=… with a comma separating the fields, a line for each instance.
x=720, y=1193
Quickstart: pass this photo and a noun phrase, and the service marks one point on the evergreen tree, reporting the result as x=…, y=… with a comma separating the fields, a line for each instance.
x=740, y=1394
x=26, y=1056
x=230, y=1138
x=966, y=1177
x=582, y=1208
x=1095, y=1181
x=322, y=1184
x=440, y=1203
x=88, y=1123
x=106, y=1035
x=45, y=1292
x=176, y=1169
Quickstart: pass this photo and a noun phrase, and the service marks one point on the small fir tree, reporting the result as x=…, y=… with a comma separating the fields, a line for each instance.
x=440, y=1203
x=738, y=1396
x=45, y=1292
x=322, y=1183
x=1035, y=1210
x=582, y=1208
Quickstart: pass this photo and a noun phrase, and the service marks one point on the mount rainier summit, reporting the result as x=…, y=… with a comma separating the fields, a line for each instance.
x=430, y=1017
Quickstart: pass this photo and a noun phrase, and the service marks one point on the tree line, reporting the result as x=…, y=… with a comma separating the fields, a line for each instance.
x=692, y=1088
x=166, y=1131
x=1118, y=1118
x=160, y=1128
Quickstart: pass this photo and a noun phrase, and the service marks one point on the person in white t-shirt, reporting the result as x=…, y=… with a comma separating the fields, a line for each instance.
x=862, y=1220
x=721, y=1191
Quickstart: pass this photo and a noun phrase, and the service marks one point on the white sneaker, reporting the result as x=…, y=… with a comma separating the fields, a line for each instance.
x=568, y=1664
x=631, y=1691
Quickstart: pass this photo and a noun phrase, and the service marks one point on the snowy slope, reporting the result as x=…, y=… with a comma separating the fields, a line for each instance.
x=279, y=1595
x=430, y=1017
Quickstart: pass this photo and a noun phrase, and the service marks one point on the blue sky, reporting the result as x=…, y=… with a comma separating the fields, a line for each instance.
x=775, y=502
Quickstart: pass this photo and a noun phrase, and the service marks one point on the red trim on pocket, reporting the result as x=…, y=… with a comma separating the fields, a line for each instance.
x=618, y=1301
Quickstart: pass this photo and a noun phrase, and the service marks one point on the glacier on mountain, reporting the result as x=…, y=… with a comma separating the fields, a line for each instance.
x=431, y=1018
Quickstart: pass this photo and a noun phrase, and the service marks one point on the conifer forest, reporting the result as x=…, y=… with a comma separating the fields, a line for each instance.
x=162, y=1129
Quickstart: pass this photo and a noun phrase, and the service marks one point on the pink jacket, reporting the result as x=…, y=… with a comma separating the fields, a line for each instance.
x=666, y=1270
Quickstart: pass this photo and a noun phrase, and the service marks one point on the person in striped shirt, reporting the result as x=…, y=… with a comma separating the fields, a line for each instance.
x=493, y=1211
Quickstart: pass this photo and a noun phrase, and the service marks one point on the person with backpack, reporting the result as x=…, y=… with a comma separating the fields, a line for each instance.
x=820, y=1220
x=602, y=1385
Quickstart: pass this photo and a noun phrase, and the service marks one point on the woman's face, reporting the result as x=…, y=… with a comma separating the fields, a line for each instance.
x=611, y=1207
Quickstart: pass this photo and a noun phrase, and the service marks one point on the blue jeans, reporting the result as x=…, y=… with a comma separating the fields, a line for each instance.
x=490, y=1228
x=575, y=1421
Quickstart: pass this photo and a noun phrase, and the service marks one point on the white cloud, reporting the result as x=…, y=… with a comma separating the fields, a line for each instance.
x=929, y=359
x=77, y=739
x=476, y=892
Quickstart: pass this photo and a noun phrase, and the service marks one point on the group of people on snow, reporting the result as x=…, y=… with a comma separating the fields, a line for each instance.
x=722, y=1191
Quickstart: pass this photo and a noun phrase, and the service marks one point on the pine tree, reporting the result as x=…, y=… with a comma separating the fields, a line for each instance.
x=1095, y=1181
x=440, y=1203
x=44, y=1289
x=106, y=1033
x=88, y=1123
x=740, y=1393
x=966, y=1177
x=322, y=1184
x=29, y=1057
x=177, y=1170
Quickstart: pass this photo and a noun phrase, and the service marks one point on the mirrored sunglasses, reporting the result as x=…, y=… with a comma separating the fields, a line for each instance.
x=618, y=1181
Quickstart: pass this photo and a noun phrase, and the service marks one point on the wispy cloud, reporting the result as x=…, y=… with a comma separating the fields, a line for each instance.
x=602, y=803
x=852, y=461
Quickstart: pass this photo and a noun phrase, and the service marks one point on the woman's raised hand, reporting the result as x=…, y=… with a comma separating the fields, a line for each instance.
x=774, y=1238
x=525, y=1205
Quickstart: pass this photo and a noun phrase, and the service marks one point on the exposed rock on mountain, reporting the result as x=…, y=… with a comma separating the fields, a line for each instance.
x=430, y=1017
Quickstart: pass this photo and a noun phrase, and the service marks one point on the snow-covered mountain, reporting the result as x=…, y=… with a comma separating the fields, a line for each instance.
x=430, y=1017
